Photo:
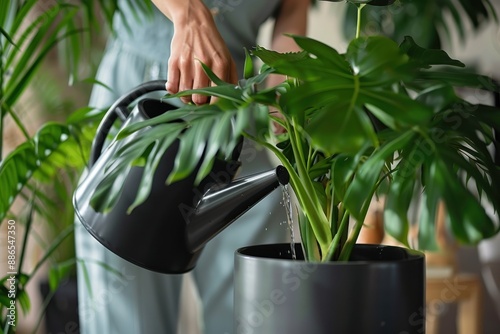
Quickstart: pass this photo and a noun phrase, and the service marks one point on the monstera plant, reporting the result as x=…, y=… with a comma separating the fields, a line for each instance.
x=382, y=118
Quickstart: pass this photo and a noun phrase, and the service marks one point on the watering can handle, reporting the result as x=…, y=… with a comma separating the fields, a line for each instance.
x=119, y=109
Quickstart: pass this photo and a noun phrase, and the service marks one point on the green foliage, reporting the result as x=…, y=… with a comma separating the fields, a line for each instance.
x=53, y=147
x=382, y=119
x=328, y=118
x=430, y=22
x=368, y=2
x=50, y=160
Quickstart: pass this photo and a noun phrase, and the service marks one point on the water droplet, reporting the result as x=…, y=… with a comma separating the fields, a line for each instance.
x=63, y=137
x=47, y=152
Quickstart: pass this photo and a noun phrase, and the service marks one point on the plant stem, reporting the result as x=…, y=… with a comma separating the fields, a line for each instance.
x=305, y=197
x=19, y=123
x=319, y=223
x=358, y=21
x=53, y=247
x=349, y=244
x=332, y=214
x=336, y=240
x=303, y=188
x=24, y=246
x=1, y=98
x=24, y=243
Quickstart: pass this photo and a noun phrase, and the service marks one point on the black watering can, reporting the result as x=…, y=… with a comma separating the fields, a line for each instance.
x=169, y=230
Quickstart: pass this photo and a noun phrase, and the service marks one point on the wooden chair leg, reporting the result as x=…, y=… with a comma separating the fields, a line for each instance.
x=431, y=323
x=469, y=310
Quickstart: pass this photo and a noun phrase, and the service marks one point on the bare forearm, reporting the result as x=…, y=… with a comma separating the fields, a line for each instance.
x=292, y=19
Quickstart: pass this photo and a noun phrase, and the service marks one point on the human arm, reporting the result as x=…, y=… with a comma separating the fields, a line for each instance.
x=290, y=19
x=195, y=40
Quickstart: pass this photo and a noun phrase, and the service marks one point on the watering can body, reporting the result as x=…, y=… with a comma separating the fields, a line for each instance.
x=168, y=231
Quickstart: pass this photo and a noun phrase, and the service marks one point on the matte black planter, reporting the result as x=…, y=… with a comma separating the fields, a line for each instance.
x=61, y=314
x=381, y=290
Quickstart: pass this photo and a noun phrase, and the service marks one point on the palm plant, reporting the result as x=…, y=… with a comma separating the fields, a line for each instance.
x=50, y=160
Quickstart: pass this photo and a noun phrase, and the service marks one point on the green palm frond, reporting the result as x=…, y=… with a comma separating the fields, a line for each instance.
x=23, y=48
x=54, y=147
x=204, y=133
x=30, y=31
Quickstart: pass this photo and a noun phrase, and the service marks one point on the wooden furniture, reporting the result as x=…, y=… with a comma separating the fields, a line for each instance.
x=446, y=285
x=464, y=290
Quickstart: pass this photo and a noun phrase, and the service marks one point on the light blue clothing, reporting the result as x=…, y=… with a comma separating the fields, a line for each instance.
x=138, y=300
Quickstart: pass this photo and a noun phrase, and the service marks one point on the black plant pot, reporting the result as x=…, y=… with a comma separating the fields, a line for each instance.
x=61, y=314
x=381, y=290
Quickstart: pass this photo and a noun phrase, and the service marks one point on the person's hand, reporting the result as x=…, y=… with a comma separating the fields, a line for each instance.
x=195, y=40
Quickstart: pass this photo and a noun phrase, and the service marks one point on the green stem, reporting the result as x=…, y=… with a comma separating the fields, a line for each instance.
x=319, y=224
x=24, y=245
x=304, y=190
x=333, y=214
x=1, y=98
x=53, y=247
x=19, y=123
x=25, y=238
x=358, y=23
x=349, y=244
x=300, y=188
x=424, y=135
x=334, y=245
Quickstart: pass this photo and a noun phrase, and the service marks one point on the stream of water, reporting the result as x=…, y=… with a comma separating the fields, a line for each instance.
x=287, y=203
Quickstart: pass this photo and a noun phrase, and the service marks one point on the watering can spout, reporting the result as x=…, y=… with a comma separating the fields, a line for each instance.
x=220, y=206
x=167, y=232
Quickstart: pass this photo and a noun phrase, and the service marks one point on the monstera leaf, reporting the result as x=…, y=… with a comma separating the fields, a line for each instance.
x=336, y=89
